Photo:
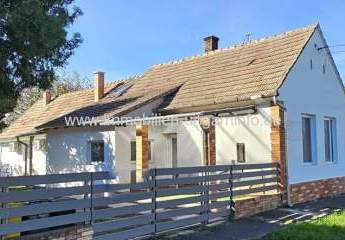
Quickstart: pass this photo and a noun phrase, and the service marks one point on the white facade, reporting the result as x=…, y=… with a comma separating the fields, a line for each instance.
x=316, y=89
x=68, y=150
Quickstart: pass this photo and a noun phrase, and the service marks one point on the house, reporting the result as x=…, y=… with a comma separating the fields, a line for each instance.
x=277, y=99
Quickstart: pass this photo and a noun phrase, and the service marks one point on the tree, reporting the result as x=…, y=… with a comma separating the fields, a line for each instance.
x=34, y=43
x=63, y=84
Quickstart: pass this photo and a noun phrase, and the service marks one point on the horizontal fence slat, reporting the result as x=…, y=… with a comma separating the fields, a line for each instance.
x=222, y=214
x=254, y=190
x=254, y=174
x=164, y=226
x=183, y=211
x=122, y=198
x=100, y=188
x=182, y=201
x=180, y=180
x=180, y=191
x=39, y=208
x=128, y=234
x=43, y=179
x=39, y=194
x=42, y=223
x=53, y=178
x=122, y=223
x=255, y=182
x=119, y=211
x=254, y=166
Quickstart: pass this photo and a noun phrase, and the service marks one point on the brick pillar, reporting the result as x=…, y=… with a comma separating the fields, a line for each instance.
x=142, y=151
x=278, y=144
x=212, y=145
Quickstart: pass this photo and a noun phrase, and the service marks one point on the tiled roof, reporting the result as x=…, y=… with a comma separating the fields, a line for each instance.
x=256, y=68
x=228, y=75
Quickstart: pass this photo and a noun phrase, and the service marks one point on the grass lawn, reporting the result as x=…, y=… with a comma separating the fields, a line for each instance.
x=330, y=227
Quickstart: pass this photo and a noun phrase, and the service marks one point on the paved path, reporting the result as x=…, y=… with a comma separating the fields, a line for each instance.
x=259, y=225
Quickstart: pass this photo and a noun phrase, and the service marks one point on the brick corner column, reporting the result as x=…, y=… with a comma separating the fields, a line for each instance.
x=212, y=145
x=278, y=144
x=142, y=151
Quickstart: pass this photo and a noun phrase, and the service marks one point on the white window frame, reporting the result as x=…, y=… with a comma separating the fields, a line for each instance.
x=313, y=139
x=332, y=139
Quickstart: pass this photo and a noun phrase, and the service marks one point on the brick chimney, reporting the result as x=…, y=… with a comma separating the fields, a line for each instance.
x=99, y=85
x=47, y=97
x=211, y=43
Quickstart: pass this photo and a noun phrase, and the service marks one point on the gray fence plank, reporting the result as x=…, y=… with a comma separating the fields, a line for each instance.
x=122, y=223
x=43, y=179
x=255, y=182
x=128, y=234
x=254, y=174
x=39, y=208
x=119, y=211
x=101, y=188
x=254, y=166
x=180, y=191
x=39, y=194
x=254, y=190
x=183, y=211
x=164, y=226
x=182, y=201
x=36, y=224
x=121, y=198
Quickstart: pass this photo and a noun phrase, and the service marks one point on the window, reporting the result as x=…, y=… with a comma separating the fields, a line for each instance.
x=134, y=150
x=330, y=140
x=309, y=138
x=174, y=152
x=241, y=153
x=311, y=64
x=323, y=68
x=97, y=151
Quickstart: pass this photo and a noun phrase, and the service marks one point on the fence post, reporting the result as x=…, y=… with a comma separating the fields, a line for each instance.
x=3, y=205
x=208, y=194
x=232, y=203
x=91, y=198
x=154, y=198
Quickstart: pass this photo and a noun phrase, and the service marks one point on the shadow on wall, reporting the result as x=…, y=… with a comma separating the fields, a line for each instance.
x=7, y=170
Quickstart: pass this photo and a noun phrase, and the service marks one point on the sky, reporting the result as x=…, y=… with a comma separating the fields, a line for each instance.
x=125, y=37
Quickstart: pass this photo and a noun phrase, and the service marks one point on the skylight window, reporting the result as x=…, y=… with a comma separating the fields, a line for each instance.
x=121, y=89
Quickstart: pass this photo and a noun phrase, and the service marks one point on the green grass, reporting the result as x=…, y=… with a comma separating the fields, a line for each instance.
x=330, y=227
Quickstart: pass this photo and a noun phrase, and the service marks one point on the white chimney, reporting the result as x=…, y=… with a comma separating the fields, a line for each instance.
x=99, y=85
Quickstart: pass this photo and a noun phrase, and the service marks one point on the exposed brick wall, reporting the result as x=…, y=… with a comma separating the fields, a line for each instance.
x=142, y=151
x=212, y=144
x=278, y=144
x=251, y=206
x=309, y=191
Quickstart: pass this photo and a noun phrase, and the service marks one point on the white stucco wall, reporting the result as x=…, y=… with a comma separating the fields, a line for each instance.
x=13, y=159
x=16, y=160
x=252, y=130
x=189, y=147
x=311, y=91
x=68, y=150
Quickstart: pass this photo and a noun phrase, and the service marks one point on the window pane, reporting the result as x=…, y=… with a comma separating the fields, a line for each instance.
x=330, y=140
x=241, y=157
x=174, y=152
x=328, y=154
x=97, y=151
x=133, y=151
x=307, y=140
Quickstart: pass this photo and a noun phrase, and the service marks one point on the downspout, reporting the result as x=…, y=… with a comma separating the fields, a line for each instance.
x=25, y=155
x=30, y=155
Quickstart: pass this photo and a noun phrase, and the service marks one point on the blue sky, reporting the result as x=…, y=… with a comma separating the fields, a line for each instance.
x=125, y=37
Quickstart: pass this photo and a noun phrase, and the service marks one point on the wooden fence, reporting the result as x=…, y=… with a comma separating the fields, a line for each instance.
x=168, y=199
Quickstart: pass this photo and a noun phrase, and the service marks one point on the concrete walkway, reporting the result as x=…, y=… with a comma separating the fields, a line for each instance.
x=259, y=225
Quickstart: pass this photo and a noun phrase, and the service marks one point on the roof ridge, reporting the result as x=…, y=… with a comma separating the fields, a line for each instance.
x=252, y=42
